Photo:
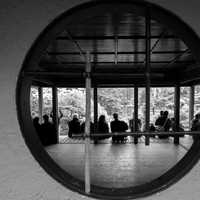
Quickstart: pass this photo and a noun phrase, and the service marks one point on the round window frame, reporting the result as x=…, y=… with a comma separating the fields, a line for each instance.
x=23, y=99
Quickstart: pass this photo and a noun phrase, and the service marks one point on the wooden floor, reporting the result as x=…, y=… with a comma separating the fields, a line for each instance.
x=119, y=165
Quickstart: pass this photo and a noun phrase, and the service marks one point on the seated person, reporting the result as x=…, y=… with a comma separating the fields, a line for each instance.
x=74, y=126
x=173, y=125
x=159, y=120
x=48, y=131
x=38, y=129
x=102, y=127
x=196, y=123
x=164, y=124
x=118, y=126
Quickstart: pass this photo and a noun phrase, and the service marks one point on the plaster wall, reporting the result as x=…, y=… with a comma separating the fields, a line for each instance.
x=21, y=177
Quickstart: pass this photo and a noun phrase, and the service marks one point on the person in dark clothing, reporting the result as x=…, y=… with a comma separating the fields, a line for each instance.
x=159, y=121
x=48, y=131
x=164, y=124
x=102, y=127
x=173, y=125
x=196, y=126
x=118, y=126
x=196, y=123
x=74, y=126
x=38, y=128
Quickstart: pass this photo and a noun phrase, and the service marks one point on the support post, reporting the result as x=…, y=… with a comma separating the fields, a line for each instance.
x=55, y=113
x=40, y=102
x=177, y=112
x=95, y=109
x=191, y=106
x=147, y=69
x=87, y=123
x=135, y=125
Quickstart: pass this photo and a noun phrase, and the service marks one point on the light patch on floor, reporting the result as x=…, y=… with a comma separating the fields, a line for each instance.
x=120, y=165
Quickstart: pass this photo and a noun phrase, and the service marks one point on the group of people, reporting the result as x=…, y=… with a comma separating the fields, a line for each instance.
x=75, y=127
x=46, y=131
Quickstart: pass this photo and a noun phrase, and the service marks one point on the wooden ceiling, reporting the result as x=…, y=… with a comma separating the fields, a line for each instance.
x=117, y=44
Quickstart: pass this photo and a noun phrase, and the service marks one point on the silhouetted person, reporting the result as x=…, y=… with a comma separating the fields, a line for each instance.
x=118, y=126
x=164, y=124
x=152, y=128
x=173, y=125
x=38, y=128
x=102, y=127
x=48, y=131
x=196, y=125
x=59, y=116
x=74, y=126
x=159, y=120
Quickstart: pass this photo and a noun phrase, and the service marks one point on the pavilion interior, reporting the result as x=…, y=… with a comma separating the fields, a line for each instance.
x=121, y=49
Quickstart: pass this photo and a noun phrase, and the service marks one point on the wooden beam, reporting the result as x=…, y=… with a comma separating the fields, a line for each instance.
x=169, y=133
x=120, y=37
x=87, y=123
x=177, y=111
x=157, y=41
x=116, y=50
x=94, y=74
x=135, y=113
x=174, y=60
x=113, y=53
x=40, y=103
x=55, y=112
x=105, y=64
x=147, y=68
x=76, y=45
x=191, y=106
x=95, y=90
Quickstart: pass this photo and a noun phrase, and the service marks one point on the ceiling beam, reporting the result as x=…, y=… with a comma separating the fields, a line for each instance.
x=174, y=60
x=112, y=53
x=119, y=63
x=113, y=37
x=81, y=52
x=94, y=74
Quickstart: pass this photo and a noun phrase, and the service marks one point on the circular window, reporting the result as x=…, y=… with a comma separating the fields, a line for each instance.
x=132, y=44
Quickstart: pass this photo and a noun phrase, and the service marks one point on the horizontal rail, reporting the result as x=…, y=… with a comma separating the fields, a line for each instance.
x=170, y=133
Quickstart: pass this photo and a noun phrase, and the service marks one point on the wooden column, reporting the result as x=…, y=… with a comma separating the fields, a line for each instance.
x=191, y=106
x=95, y=109
x=135, y=113
x=87, y=123
x=40, y=103
x=55, y=112
x=147, y=69
x=177, y=112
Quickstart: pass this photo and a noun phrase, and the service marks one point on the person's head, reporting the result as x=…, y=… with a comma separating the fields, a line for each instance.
x=102, y=118
x=36, y=120
x=161, y=113
x=165, y=114
x=115, y=116
x=46, y=118
x=75, y=116
x=197, y=116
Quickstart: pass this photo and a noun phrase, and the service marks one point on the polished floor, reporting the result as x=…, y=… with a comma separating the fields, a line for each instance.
x=119, y=165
